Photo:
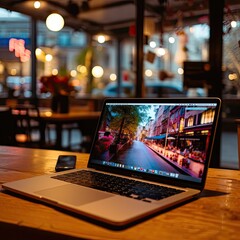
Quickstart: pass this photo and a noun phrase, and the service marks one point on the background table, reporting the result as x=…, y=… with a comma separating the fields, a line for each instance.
x=86, y=120
x=215, y=215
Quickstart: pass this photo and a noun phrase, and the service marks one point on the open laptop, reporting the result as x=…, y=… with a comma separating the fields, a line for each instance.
x=147, y=155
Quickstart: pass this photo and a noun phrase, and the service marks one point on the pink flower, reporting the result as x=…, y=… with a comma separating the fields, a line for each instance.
x=57, y=85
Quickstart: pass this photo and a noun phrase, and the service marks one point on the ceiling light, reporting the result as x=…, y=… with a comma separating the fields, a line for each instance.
x=37, y=4
x=101, y=39
x=55, y=22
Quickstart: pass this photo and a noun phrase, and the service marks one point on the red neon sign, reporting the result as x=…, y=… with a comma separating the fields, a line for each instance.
x=18, y=46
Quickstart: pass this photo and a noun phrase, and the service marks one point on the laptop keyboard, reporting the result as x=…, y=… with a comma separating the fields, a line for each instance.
x=118, y=185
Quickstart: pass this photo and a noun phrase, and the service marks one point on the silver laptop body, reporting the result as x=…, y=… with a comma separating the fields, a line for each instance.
x=165, y=142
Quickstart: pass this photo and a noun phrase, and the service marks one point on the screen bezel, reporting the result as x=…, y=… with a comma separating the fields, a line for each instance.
x=158, y=178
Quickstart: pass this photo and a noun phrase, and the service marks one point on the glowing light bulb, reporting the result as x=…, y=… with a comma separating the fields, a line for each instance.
x=97, y=72
x=160, y=52
x=55, y=72
x=171, y=39
x=148, y=73
x=101, y=39
x=38, y=51
x=37, y=4
x=73, y=73
x=82, y=69
x=113, y=77
x=55, y=22
x=152, y=44
x=180, y=71
x=48, y=57
x=233, y=24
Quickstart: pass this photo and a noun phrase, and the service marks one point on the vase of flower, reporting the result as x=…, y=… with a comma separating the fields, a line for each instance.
x=60, y=103
x=54, y=103
x=63, y=103
x=60, y=88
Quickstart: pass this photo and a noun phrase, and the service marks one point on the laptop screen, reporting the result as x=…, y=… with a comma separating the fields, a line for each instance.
x=167, y=138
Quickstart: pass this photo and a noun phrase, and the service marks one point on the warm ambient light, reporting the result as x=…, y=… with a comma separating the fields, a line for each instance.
x=152, y=44
x=171, y=39
x=97, y=71
x=148, y=73
x=160, y=52
x=38, y=51
x=1, y=68
x=48, y=57
x=233, y=24
x=232, y=76
x=180, y=71
x=37, y=4
x=82, y=69
x=73, y=73
x=13, y=71
x=54, y=72
x=101, y=39
x=55, y=22
x=113, y=77
x=40, y=54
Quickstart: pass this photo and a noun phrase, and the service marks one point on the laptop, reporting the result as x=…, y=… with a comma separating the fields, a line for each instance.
x=148, y=155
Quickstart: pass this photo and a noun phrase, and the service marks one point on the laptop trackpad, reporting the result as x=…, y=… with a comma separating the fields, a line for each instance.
x=73, y=194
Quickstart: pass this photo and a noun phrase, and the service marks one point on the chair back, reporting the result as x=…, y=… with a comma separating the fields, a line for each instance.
x=27, y=119
x=6, y=127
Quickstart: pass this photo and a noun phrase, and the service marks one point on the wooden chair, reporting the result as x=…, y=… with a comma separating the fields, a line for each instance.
x=6, y=127
x=69, y=128
x=27, y=126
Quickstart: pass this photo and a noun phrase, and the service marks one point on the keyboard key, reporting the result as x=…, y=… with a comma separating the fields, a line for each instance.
x=118, y=185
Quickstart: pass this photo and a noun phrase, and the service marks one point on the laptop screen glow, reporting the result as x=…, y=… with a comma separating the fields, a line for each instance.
x=167, y=139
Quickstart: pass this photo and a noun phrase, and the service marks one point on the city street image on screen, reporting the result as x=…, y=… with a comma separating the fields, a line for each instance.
x=170, y=140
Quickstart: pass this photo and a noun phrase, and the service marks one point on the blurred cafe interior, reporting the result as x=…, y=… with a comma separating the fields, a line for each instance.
x=93, y=49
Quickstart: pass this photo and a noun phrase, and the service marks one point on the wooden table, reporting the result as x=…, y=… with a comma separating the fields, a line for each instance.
x=86, y=120
x=215, y=215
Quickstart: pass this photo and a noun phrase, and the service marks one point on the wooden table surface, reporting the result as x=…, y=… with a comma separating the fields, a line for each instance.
x=214, y=215
x=72, y=115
